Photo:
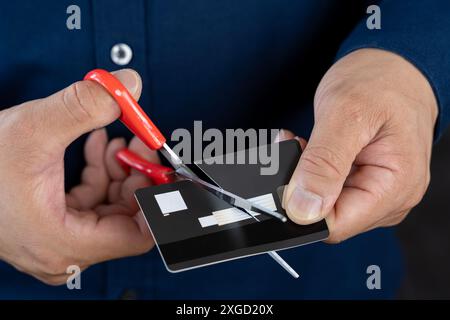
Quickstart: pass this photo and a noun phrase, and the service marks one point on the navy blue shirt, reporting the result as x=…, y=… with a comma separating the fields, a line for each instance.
x=229, y=63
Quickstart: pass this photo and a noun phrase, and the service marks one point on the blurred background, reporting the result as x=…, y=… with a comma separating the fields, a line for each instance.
x=425, y=234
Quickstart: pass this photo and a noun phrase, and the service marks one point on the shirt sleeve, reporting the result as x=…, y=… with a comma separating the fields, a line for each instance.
x=419, y=31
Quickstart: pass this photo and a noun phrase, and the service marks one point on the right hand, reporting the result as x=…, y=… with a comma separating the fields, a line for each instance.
x=43, y=230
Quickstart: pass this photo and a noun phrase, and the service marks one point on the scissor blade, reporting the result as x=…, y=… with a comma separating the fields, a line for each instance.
x=227, y=196
x=176, y=162
x=275, y=256
x=182, y=169
x=232, y=199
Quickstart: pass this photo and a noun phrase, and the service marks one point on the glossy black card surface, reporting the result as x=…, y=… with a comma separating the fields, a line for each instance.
x=193, y=228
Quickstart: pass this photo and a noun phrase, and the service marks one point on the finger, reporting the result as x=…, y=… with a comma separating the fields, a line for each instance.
x=77, y=109
x=114, y=191
x=284, y=134
x=137, y=146
x=363, y=203
x=323, y=168
x=115, y=170
x=122, y=193
x=94, y=179
x=302, y=142
x=393, y=219
x=115, y=208
x=129, y=187
x=143, y=225
x=101, y=238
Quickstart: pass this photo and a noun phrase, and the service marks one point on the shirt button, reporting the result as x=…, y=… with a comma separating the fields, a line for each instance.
x=121, y=54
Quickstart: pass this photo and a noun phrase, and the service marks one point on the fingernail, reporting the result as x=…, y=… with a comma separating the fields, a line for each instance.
x=280, y=136
x=129, y=79
x=304, y=205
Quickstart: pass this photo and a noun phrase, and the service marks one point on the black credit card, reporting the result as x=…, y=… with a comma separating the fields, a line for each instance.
x=194, y=228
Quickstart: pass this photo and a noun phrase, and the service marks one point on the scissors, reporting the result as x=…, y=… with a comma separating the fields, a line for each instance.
x=160, y=174
x=140, y=124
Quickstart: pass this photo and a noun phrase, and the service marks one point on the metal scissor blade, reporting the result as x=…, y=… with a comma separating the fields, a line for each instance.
x=182, y=170
x=227, y=196
x=232, y=199
x=175, y=161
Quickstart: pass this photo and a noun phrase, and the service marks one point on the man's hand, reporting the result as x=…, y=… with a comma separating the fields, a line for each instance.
x=42, y=229
x=367, y=161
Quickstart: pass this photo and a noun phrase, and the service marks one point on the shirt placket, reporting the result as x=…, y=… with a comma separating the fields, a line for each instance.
x=120, y=38
x=120, y=31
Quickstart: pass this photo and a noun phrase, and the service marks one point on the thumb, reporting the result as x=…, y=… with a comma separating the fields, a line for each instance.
x=80, y=108
x=322, y=169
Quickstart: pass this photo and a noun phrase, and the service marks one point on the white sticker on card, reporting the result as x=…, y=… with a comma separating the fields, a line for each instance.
x=170, y=202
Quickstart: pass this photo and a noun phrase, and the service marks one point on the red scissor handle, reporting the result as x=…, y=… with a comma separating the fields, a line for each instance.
x=158, y=173
x=132, y=114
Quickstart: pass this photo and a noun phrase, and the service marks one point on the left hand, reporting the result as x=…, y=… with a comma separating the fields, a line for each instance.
x=367, y=161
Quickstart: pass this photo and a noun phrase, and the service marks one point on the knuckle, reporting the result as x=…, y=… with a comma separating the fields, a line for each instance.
x=414, y=198
x=78, y=102
x=335, y=238
x=361, y=110
x=421, y=187
x=412, y=187
x=353, y=105
x=15, y=123
x=417, y=198
x=323, y=162
x=364, y=111
x=397, y=219
x=21, y=144
x=351, y=99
